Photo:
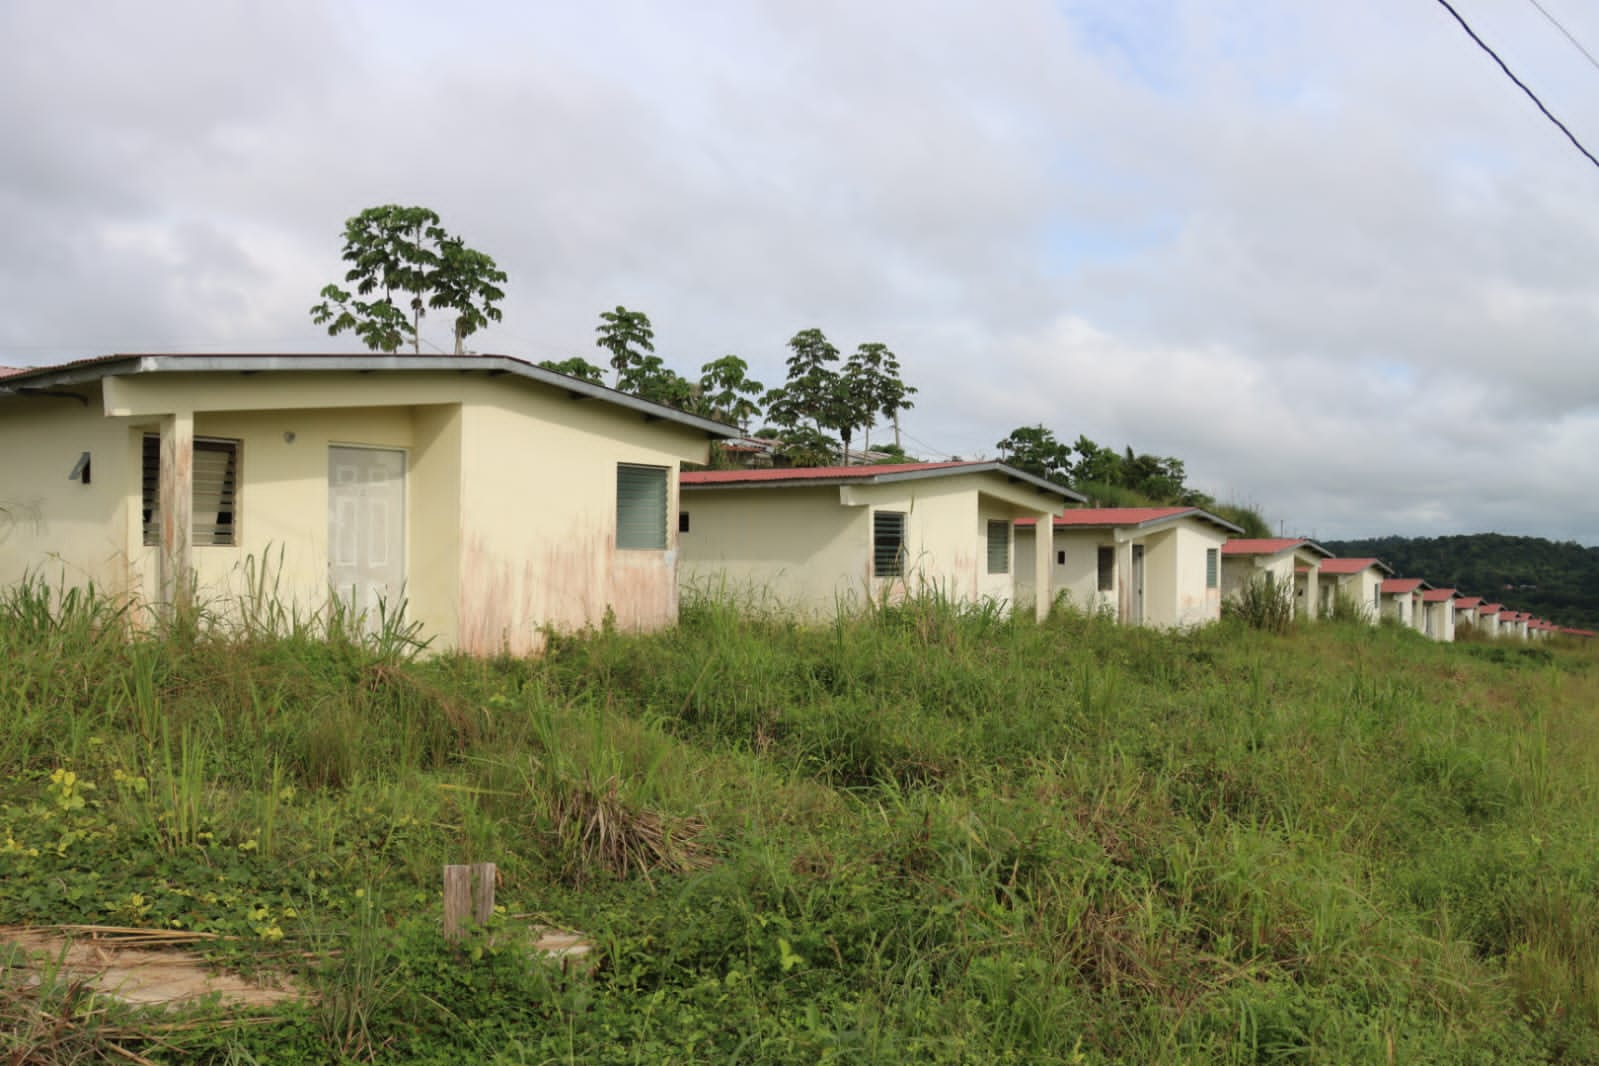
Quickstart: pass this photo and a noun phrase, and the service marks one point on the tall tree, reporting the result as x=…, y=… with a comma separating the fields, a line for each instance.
x=408, y=264
x=576, y=367
x=727, y=392
x=874, y=376
x=627, y=335
x=651, y=379
x=1036, y=450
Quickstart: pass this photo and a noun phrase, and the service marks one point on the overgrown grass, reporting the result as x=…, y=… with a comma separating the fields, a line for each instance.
x=925, y=834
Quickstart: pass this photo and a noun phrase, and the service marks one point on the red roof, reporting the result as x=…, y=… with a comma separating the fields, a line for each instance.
x=1466, y=603
x=1398, y=586
x=1269, y=546
x=1107, y=517
x=810, y=473
x=1489, y=608
x=6, y=371
x=1438, y=595
x=1348, y=566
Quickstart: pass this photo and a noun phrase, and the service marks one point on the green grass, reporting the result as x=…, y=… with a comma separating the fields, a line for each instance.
x=923, y=835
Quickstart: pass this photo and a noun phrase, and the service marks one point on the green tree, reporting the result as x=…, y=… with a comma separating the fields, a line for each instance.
x=576, y=367
x=1036, y=450
x=874, y=376
x=728, y=393
x=404, y=264
x=651, y=379
x=627, y=335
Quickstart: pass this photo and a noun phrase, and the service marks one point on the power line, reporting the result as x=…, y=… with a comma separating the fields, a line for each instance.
x=1519, y=83
x=1556, y=24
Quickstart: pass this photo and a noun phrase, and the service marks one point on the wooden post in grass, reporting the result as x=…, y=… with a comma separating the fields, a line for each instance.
x=468, y=890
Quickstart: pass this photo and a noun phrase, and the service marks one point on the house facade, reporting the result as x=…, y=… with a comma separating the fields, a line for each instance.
x=1357, y=582
x=1155, y=566
x=1466, y=612
x=489, y=496
x=819, y=541
x=1291, y=561
x=1401, y=601
x=1438, y=606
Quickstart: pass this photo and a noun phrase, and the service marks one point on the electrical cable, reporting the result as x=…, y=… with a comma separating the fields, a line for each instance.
x=1592, y=62
x=1519, y=83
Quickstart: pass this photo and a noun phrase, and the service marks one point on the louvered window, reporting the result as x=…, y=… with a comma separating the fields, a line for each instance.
x=1107, y=569
x=215, y=502
x=998, y=546
x=888, y=543
x=1212, y=568
x=640, y=507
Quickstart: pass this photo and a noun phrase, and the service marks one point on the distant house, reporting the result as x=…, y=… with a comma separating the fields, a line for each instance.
x=1289, y=561
x=819, y=540
x=1466, y=611
x=1156, y=566
x=1439, y=608
x=1401, y=601
x=489, y=497
x=1513, y=624
x=1488, y=618
x=1355, y=581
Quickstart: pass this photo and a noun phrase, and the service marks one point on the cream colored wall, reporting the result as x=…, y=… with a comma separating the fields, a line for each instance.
x=1196, y=604
x=795, y=550
x=511, y=494
x=63, y=531
x=1161, y=569
x=538, y=516
x=1397, y=607
x=1077, y=578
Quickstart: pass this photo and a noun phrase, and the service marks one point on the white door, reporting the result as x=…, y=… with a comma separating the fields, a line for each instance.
x=366, y=529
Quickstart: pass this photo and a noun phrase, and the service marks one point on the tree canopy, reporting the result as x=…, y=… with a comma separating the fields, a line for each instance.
x=403, y=265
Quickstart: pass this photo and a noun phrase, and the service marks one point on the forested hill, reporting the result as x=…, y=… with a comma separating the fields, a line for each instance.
x=1554, y=580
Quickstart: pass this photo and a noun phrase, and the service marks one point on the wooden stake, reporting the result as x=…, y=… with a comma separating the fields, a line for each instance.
x=463, y=897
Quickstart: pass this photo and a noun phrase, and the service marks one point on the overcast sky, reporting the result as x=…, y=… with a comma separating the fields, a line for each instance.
x=1325, y=253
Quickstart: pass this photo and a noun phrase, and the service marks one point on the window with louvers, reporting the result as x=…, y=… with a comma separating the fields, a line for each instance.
x=215, y=502
x=1212, y=567
x=888, y=543
x=998, y=546
x=1107, y=569
x=640, y=507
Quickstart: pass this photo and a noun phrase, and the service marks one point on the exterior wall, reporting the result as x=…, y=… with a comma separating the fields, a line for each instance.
x=1361, y=589
x=1239, y=570
x=510, y=495
x=60, y=530
x=1396, y=605
x=1440, y=620
x=1078, y=576
x=793, y=549
x=538, y=516
x=807, y=549
x=1488, y=624
x=1195, y=604
x=1174, y=571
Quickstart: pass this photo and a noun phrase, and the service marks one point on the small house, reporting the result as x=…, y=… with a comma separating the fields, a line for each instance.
x=1156, y=566
x=1356, y=582
x=1292, y=562
x=484, y=497
x=1401, y=601
x=1438, y=606
x=818, y=541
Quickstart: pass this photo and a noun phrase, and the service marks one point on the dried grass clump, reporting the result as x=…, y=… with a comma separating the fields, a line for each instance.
x=600, y=830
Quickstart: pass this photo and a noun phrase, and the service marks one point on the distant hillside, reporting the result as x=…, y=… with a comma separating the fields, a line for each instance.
x=1555, y=580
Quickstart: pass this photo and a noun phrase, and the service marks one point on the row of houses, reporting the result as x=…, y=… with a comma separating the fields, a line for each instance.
x=497, y=500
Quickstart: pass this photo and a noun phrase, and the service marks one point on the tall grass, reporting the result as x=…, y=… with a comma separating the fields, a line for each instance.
x=923, y=833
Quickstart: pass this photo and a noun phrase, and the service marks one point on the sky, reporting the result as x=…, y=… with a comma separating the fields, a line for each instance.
x=1327, y=254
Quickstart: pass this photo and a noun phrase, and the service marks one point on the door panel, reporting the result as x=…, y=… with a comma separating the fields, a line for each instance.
x=366, y=529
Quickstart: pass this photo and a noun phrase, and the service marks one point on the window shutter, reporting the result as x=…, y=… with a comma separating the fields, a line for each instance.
x=998, y=546
x=888, y=543
x=640, y=507
x=215, y=496
x=1212, y=566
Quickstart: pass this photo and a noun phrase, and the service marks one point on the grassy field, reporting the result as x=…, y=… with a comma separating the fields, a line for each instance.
x=925, y=835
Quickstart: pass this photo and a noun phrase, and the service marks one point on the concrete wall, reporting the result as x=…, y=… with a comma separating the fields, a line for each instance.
x=1361, y=589
x=1174, y=571
x=510, y=495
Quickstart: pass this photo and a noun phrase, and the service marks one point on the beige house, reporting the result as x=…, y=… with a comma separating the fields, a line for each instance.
x=1156, y=566
x=820, y=541
x=1513, y=624
x=1401, y=601
x=1438, y=606
x=492, y=498
x=1488, y=618
x=1466, y=611
x=1357, y=581
x=1292, y=561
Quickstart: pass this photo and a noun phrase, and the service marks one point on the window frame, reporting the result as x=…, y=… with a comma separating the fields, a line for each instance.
x=892, y=562
x=1105, y=569
x=1212, y=568
x=636, y=528
x=227, y=492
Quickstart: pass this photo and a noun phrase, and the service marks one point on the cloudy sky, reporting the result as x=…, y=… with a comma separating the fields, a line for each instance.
x=1326, y=253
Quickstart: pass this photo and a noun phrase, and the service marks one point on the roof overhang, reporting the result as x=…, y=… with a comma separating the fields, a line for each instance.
x=42, y=379
x=867, y=477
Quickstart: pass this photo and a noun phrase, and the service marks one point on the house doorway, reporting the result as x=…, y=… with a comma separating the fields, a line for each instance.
x=366, y=529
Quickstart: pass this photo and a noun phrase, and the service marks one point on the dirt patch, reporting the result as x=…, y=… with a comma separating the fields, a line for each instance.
x=137, y=966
